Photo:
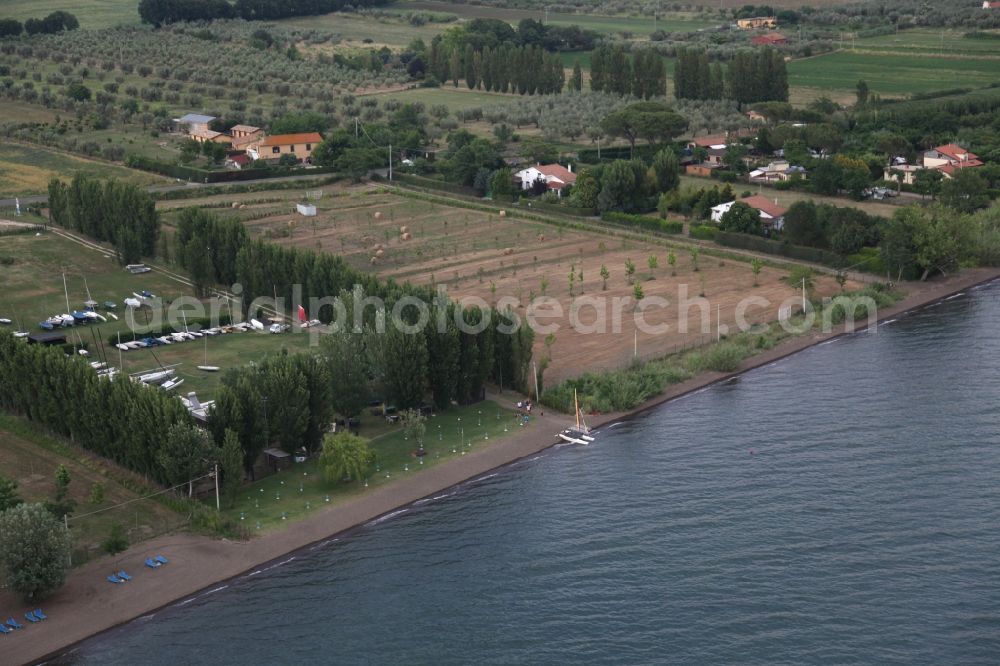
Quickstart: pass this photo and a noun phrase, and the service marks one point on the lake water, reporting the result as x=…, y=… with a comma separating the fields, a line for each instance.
x=839, y=507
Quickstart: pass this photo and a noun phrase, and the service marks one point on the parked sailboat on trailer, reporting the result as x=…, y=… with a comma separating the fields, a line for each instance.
x=579, y=433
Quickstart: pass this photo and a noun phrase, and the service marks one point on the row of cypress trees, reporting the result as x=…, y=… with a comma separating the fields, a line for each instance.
x=642, y=74
x=527, y=70
x=120, y=213
x=118, y=419
x=751, y=76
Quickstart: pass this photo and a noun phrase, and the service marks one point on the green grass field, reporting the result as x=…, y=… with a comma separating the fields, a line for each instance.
x=301, y=489
x=354, y=29
x=30, y=457
x=890, y=75
x=28, y=169
x=90, y=13
x=32, y=289
x=671, y=22
x=928, y=41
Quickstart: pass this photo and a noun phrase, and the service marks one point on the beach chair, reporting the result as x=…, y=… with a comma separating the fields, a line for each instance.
x=30, y=617
x=14, y=624
x=4, y=629
x=152, y=564
x=124, y=576
x=161, y=559
x=115, y=579
x=40, y=615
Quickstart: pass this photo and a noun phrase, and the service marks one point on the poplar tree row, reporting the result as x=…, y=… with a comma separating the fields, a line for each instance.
x=119, y=213
x=642, y=74
x=751, y=76
x=117, y=419
x=527, y=70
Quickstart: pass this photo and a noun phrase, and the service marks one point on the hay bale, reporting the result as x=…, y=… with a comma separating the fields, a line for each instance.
x=236, y=204
x=407, y=236
x=378, y=215
x=404, y=229
x=242, y=206
x=508, y=251
x=379, y=253
x=541, y=237
x=503, y=213
x=373, y=260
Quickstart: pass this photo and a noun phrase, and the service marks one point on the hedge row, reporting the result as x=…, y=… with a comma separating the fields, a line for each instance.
x=780, y=248
x=194, y=193
x=703, y=231
x=644, y=222
x=432, y=184
x=195, y=174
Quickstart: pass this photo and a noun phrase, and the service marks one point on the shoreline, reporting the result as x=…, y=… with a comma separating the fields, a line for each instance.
x=87, y=605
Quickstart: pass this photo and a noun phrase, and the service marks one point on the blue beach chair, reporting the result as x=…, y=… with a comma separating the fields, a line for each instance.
x=161, y=559
x=14, y=624
x=152, y=564
x=4, y=629
x=30, y=617
x=124, y=576
x=40, y=615
x=115, y=579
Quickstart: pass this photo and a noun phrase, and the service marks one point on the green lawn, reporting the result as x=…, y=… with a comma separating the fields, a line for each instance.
x=28, y=169
x=32, y=289
x=90, y=13
x=929, y=41
x=394, y=32
x=891, y=75
x=30, y=457
x=295, y=492
x=669, y=21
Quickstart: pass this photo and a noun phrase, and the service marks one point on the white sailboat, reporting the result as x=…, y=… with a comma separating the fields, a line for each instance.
x=579, y=433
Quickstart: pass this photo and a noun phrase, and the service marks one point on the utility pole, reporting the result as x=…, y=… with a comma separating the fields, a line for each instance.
x=534, y=367
x=803, y=295
x=355, y=128
x=215, y=475
x=390, y=162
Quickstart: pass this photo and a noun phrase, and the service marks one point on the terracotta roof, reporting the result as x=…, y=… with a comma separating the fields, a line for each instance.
x=288, y=139
x=240, y=159
x=206, y=134
x=954, y=151
x=557, y=171
x=706, y=141
x=950, y=169
x=764, y=205
x=772, y=38
x=244, y=128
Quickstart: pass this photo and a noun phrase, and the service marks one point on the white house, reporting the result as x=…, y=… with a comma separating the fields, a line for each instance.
x=775, y=172
x=771, y=214
x=556, y=176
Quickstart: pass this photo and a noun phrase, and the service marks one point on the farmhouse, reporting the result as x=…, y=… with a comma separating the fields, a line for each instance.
x=990, y=5
x=211, y=136
x=779, y=171
x=703, y=170
x=193, y=122
x=771, y=214
x=908, y=171
x=770, y=39
x=757, y=22
x=556, y=176
x=244, y=136
x=714, y=141
x=274, y=147
x=949, y=157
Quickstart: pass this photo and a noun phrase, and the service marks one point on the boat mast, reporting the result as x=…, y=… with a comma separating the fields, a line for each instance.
x=66, y=292
x=576, y=404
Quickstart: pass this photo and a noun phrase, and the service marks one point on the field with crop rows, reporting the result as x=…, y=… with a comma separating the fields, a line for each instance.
x=476, y=253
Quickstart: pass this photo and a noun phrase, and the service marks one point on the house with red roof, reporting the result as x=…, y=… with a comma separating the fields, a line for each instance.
x=556, y=177
x=275, y=147
x=949, y=158
x=990, y=5
x=772, y=216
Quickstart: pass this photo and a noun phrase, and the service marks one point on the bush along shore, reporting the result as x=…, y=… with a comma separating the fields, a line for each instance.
x=627, y=388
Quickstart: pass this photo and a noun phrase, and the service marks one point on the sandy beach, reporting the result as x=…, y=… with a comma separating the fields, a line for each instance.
x=88, y=604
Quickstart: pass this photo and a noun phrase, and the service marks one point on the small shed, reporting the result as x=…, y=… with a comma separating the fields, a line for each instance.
x=307, y=209
x=277, y=459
